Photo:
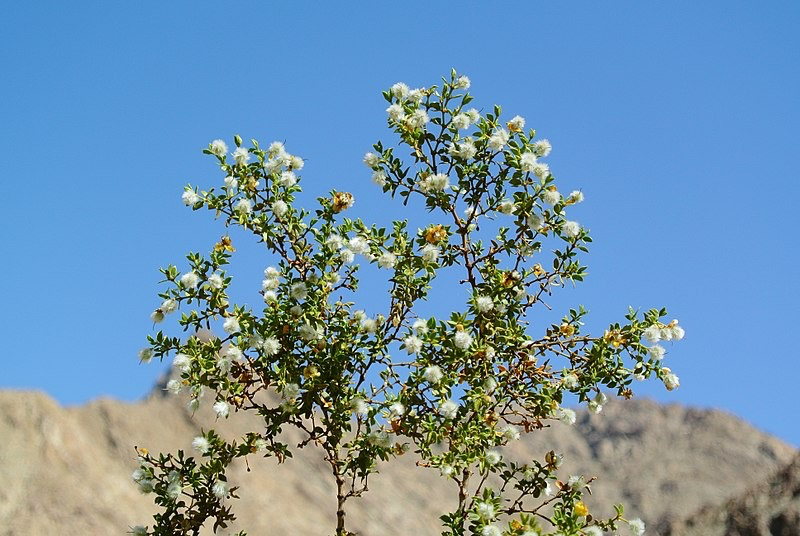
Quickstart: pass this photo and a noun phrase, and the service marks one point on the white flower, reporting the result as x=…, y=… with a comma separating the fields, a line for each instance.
x=571, y=229
x=465, y=150
x=220, y=490
x=493, y=457
x=542, y=148
x=387, y=260
x=446, y=470
x=570, y=381
x=400, y=90
x=234, y=352
x=347, y=255
x=190, y=280
x=145, y=355
x=174, y=490
x=576, y=196
x=270, y=283
x=462, y=339
x=486, y=510
x=491, y=530
x=510, y=432
x=218, y=148
x=448, y=409
x=396, y=410
x=576, y=482
x=484, y=304
x=566, y=415
x=678, y=333
x=295, y=162
x=597, y=403
x=418, y=119
x=506, y=207
x=146, y=485
x=299, y=291
x=190, y=198
x=535, y=222
x=379, y=438
x=288, y=179
x=637, y=526
x=157, y=316
x=182, y=362
x=499, y=139
x=396, y=113
x=372, y=160
x=473, y=114
x=527, y=161
x=656, y=352
x=201, y=444
x=334, y=242
x=309, y=333
x=420, y=326
x=221, y=408
x=462, y=82
x=243, y=206
x=413, y=344
x=290, y=391
x=216, y=281
x=139, y=530
x=541, y=170
x=416, y=95
x=671, y=381
x=270, y=296
x=359, y=245
x=231, y=325
x=270, y=346
x=489, y=385
x=279, y=208
x=193, y=404
x=359, y=406
x=369, y=325
x=241, y=155
x=174, y=386
x=461, y=121
x=593, y=531
x=379, y=178
x=433, y=374
x=652, y=334
x=551, y=197
x=231, y=182
x=517, y=123
x=430, y=253
x=438, y=183
x=169, y=306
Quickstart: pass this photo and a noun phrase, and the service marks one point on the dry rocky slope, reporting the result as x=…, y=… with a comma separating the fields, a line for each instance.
x=768, y=509
x=67, y=471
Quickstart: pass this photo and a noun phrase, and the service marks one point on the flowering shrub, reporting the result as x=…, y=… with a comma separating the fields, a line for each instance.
x=466, y=385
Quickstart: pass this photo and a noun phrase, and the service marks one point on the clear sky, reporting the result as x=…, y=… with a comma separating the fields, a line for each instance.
x=677, y=119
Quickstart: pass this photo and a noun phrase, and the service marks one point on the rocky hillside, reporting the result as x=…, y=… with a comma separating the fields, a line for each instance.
x=67, y=471
x=771, y=508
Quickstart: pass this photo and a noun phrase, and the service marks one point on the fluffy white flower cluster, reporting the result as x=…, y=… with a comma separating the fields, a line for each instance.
x=279, y=162
x=464, y=120
x=668, y=332
x=167, y=306
x=465, y=150
x=499, y=139
x=190, y=197
x=596, y=404
x=434, y=183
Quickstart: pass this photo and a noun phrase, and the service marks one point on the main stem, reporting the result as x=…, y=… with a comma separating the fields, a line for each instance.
x=341, y=497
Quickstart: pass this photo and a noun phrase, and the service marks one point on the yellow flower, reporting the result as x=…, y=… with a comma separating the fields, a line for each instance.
x=581, y=509
x=435, y=234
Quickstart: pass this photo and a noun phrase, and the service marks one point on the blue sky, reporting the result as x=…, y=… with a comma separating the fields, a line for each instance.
x=677, y=119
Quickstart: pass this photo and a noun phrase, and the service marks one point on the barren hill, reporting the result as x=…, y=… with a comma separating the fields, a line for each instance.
x=67, y=471
x=771, y=508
